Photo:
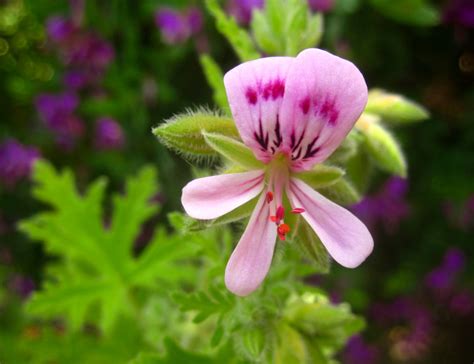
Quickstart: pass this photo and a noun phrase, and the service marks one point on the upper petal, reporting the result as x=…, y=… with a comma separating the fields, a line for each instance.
x=345, y=237
x=211, y=197
x=252, y=257
x=255, y=92
x=324, y=97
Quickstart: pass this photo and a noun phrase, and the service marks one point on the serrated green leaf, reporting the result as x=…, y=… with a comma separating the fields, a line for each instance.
x=215, y=79
x=394, y=108
x=233, y=150
x=321, y=176
x=342, y=192
x=384, y=149
x=183, y=133
x=263, y=33
x=238, y=38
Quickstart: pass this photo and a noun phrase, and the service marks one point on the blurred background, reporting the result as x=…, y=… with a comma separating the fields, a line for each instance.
x=83, y=82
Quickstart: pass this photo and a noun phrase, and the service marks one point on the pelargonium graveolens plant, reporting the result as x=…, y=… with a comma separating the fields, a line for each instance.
x=292, y=113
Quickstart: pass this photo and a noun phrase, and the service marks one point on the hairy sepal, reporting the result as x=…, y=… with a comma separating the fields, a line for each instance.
x=232, y=150
x=183, y=132
x=321, y=176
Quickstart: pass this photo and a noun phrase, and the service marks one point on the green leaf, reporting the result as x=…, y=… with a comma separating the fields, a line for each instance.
x=313, y=249
x=263, y=33
x=383, y=148
x=215, y=79
x=394, y=108
x=183, y=133
x=97, y=270
x=346, y=150
x=233, y=150
x=413, y=12
x=342, y=192
x=321, y=176
x=238, y=38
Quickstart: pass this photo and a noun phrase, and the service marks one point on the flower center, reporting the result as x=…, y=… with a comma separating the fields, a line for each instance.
x=278, y=178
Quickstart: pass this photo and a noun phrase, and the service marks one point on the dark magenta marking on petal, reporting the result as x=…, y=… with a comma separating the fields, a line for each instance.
x=310, y=152
x=329, y=112
x=293, y=148
x=279, y=139
x=295, y=157
x=305, y=104
x=267, y=90
x=251, y=96
x=278, y=89
x=260, y=138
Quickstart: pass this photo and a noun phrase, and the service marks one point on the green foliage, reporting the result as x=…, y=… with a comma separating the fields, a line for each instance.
x=413, y=12
x=286, y=27
x=97, y=264
x=236, y=36
x=382, y=146
x=342, y=192
x=215, y=79
x=313, y=248
x=394, y=108
x=183, y=132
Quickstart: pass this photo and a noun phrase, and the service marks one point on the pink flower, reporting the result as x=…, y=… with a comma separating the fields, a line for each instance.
x=292, y=113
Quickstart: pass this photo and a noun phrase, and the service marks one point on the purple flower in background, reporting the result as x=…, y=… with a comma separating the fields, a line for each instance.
x=321, y=5
x=16, y=161
x=442, y=278
x=59, y=29
x=388, y=206
x=241, y=10
x=21, y=285
x=108, y=134
x=357, y=351
x=459, y=12
x=176, y=27
x=462, y=303
x=56, y=111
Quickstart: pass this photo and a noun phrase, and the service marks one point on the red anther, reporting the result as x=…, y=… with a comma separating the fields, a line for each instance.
x=269, y=197
x=282, y=237
x=283, y=229
x=280, y=213
x=273, y=218
x=297, y=210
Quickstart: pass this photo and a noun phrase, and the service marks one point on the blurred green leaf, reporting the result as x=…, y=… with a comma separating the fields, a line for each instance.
x=215, y=79
x=321, y=176
x=313, y=249
x=413, y=12
x=342, y=192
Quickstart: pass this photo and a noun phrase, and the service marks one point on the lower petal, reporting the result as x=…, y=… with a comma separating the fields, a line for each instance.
x=251, y=259
x=345, y=237
x=211, y=197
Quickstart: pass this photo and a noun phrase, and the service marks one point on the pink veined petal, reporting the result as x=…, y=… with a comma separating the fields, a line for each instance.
x=211, y=197
x=255, y=92
x=324, y=97
x=252, y=257
x=345, y=237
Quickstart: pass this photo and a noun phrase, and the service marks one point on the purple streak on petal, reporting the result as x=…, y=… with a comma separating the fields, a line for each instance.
x=108, y=134
x=16, y=161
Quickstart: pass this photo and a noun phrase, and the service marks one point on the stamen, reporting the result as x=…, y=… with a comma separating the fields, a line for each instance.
x=280, y=213
x=269, y=196
x=283, y=229
x=297, y=210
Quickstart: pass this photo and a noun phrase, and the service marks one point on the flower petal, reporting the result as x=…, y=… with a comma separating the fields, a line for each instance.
x=324, y=97
x=252, y=257
x=255, y=91
x=345, y=237
x=211, y=197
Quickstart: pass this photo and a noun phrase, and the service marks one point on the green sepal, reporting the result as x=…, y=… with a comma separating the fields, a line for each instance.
x=394, y=108
x=238, y=214
x=312, y=248
x=346, y=150
x=384, y=149
x=238, y=38
x=183, y=132
x=215, y=79
x=233, y=150
x=321, y=176
x=342, y=192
